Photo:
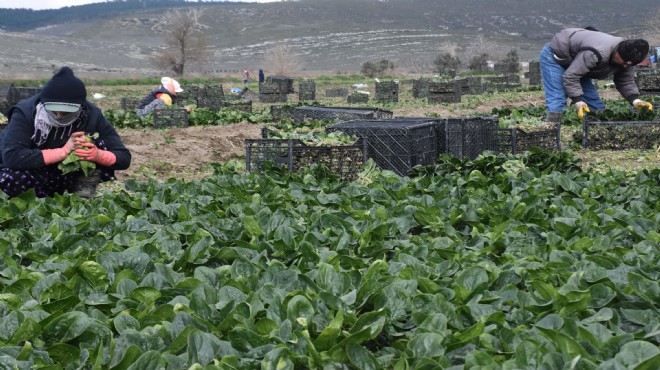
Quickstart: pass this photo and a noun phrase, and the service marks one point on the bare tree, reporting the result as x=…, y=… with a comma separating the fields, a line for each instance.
x=281, y=60
x=184, y=41
x=481, y=46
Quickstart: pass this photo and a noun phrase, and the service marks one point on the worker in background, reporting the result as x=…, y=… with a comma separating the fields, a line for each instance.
x=575, y=56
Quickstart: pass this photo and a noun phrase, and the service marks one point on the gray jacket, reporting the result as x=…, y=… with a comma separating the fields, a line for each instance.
x=589, y=54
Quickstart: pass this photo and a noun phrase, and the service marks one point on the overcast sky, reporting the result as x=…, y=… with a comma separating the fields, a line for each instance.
x=56, y=4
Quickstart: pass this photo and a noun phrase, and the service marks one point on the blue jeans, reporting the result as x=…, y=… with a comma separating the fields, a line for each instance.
x=553, y=85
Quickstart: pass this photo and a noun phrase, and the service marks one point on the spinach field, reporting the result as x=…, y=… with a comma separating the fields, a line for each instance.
x=504, y=262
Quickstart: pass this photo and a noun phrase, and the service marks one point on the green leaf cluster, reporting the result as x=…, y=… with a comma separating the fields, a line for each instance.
x=197, y=117
x=73, y=163
x=498, y=263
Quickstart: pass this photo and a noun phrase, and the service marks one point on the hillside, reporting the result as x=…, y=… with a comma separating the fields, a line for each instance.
x=336, y=35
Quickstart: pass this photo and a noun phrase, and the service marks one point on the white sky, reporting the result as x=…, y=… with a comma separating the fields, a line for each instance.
x=56, y=4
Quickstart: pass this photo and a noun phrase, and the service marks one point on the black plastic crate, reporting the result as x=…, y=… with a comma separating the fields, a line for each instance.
x=306, y=90
x=534, y=73
x=395, y=144
x=164, y=118
x=129, y=103
x=292, y=154
x=338, y=92
x=387, y=92
x=443, y=92
x=467, y=137
x=302, y=114
x=517, y=140
x=357, y=98
x=463, y=137
x=619, y=135
x=501, y=83
x=648, y=81
x=420, y=88
x=285, y=83
x=17, y=94
x=239, y=105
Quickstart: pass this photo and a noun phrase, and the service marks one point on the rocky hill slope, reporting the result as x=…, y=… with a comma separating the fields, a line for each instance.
x=337, y=35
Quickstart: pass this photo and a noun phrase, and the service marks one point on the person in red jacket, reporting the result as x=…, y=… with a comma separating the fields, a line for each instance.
x=45, y=128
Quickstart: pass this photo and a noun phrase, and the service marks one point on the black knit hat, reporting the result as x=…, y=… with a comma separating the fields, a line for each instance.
x=633, y=51
x=64, y=92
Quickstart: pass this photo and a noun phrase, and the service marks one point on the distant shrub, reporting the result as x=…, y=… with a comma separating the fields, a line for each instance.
x=377, y=69
x=510, y=63
x=446, y=64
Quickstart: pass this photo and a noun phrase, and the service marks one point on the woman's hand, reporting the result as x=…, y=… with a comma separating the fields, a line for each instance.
x=76, y=140
x=59, y=154
x=87, y=151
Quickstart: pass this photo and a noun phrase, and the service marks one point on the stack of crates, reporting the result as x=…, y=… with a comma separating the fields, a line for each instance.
x=272, y=92
x=285, y=83
x=306, y=90
x=420, y=88
x=387, y=92
x=210, y=97
x=443, y=92
x=534, y=73
x=394, y=144
x=462, y=86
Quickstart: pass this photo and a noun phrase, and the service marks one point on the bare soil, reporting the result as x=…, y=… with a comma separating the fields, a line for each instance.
x=184, y=153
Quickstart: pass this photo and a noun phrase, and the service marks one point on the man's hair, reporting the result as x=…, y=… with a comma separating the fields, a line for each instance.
x=633, y=51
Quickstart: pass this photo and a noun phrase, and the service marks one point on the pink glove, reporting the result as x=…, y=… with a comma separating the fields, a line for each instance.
x=57, y=155
x=89, y=152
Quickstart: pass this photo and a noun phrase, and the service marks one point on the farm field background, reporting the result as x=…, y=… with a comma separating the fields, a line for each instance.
x=532, y=261
x=186, y=153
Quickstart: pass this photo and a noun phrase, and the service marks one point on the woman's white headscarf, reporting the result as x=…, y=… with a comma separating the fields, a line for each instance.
x=45, y=120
